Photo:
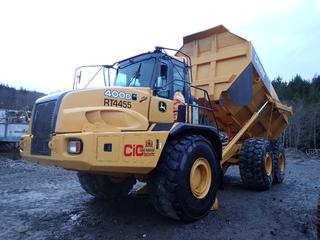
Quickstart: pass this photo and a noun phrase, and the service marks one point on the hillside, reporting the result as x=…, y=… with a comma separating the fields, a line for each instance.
x=303, y=95
x=22, y=99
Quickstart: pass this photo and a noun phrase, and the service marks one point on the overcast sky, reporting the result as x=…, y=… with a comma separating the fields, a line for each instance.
x=42, y=42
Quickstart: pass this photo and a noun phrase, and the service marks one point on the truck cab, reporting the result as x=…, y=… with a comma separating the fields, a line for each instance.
x=110, y=108
x=163, y=74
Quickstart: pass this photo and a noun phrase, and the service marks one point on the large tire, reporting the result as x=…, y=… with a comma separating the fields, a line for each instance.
x=105, y=187
x=8, y=147
x=255, y=164
x=185, y=183
x=278, y=161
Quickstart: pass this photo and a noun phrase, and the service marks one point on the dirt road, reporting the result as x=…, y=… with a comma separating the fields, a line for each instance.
x=41, y=202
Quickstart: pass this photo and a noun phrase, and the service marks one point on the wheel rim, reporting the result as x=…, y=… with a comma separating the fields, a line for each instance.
x=268, y=164
x=282, y=161
x=200, y=178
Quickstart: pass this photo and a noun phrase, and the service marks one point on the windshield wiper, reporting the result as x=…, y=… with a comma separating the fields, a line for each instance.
x=136, y=75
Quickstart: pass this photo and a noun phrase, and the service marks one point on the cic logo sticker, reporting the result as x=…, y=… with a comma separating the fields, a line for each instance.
x=162, y=106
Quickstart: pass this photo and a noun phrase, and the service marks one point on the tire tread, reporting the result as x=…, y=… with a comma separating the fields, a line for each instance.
x=251, y=164
x=164, y=181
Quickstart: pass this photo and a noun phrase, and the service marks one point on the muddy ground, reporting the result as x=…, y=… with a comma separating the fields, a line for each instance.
x=41, y=202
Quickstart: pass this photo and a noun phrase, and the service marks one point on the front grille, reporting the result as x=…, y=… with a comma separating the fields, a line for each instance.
x=43, y=124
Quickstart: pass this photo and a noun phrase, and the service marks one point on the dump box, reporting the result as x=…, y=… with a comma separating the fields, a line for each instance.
x=228, y=67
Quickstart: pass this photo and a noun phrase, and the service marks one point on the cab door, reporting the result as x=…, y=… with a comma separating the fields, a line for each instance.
x=161, y=106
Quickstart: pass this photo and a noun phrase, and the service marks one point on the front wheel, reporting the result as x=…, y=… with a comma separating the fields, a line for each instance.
x=105, y=187
x=185, y=183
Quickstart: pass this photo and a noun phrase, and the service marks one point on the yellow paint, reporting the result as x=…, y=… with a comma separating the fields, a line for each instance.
x=83, y=115
x=158, y=116
x=231, y=148
x=93, y=157
x=282, y=161
x=215, y=205
x=218, y=58
x=200, y=178
x=268, y=164
x=84, y=110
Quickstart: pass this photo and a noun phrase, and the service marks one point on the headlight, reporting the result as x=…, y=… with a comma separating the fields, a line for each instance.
x=75, y=146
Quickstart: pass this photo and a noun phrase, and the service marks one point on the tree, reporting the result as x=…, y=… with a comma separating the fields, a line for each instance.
x=304, y=96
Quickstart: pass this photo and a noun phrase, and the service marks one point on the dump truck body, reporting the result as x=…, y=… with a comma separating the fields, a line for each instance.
x=228, y=67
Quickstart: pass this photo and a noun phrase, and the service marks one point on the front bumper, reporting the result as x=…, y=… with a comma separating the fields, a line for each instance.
x=132, y=152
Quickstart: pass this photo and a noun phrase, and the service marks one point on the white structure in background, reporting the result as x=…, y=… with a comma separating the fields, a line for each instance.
x=13, y=124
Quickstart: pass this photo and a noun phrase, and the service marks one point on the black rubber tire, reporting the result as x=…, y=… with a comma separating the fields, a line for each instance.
x=8, y=147
x=251, y=164
x=169, y=183
x=101, y=186
x=277, y=151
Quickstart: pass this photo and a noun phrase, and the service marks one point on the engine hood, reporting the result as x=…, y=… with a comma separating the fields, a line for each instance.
x=113, y=109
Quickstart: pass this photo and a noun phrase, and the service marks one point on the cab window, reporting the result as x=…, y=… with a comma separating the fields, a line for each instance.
x=178, y=79
x=162, y=81
x=136, y=74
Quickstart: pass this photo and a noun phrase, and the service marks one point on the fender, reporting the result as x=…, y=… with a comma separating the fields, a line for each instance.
x=209, y=132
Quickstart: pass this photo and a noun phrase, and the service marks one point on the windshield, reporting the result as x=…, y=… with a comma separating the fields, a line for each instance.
x=137, y=74
x=128, y=73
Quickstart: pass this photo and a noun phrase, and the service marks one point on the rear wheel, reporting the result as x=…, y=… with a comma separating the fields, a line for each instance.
x=279, y=161
x=255, y=164
x=105, y=187
x=185, y=183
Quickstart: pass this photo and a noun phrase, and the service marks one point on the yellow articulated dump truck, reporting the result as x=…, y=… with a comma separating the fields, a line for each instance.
x=174, y=121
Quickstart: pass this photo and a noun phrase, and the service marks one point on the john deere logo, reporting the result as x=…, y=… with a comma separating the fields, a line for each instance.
x=162, y=106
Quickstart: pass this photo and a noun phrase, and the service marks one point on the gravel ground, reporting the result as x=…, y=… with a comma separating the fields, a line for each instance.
x=42, y=202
